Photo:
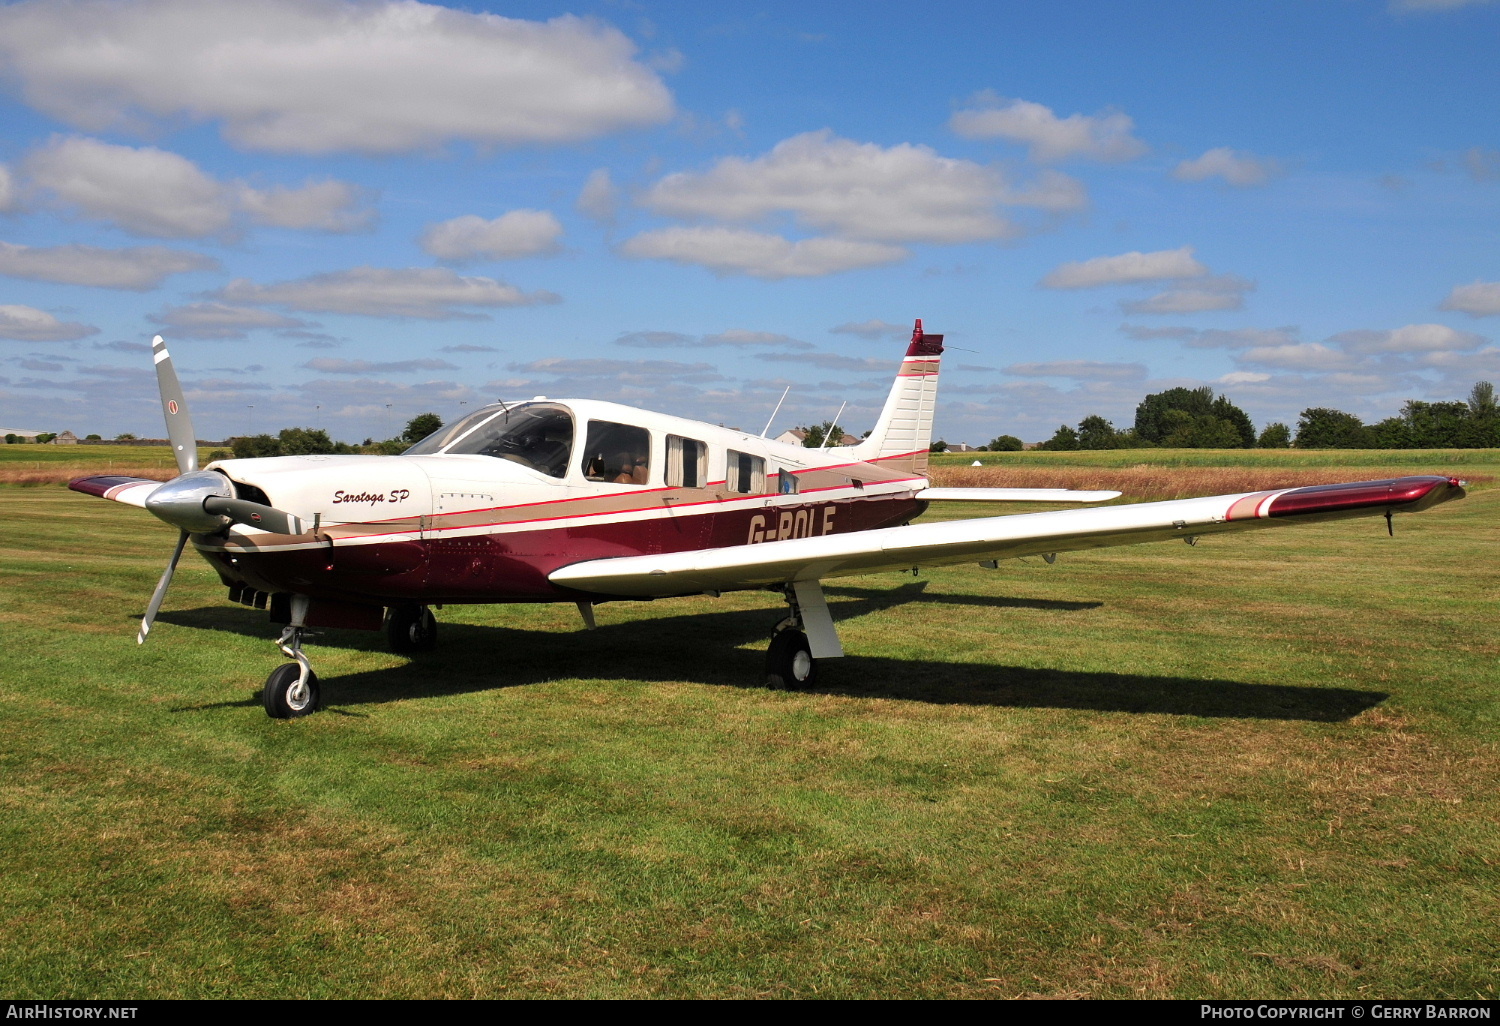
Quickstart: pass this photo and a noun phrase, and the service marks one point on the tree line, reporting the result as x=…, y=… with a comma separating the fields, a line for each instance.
x=1196, y=418
x=302, y=441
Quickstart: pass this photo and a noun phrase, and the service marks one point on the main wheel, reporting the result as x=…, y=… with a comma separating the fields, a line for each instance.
x=789, y=662
x=284, y=699
x=411, y=629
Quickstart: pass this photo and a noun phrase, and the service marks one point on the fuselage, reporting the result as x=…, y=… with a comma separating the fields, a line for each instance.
x=487, y=508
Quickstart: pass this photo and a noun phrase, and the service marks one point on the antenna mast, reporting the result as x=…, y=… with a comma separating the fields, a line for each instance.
x=835, y=423
x=775, y=411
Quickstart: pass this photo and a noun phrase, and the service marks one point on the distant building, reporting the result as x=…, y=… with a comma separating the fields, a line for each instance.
x=797, y=436
x=962, y=447
x=66, y=438
x=29, y=436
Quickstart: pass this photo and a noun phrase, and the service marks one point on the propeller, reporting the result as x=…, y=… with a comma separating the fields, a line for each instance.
x=185, y=447
x=196, y=501
x=253, y=514
x=174, y=408
x=161, y=590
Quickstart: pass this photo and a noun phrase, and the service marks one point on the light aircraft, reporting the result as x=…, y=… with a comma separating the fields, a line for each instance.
x=584, y=501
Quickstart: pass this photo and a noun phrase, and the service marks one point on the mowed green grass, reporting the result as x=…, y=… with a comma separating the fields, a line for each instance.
x=1263, y=766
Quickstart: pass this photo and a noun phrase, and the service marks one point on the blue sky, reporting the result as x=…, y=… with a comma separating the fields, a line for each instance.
x=344, y=214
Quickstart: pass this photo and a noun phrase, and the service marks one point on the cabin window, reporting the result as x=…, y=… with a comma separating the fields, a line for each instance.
x=538, y=436
x=745, y=473
x=687, y=462
x=786, y=482
x=617, y=453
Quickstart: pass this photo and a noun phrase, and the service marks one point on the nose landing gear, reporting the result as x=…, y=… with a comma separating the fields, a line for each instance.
x=292, y=689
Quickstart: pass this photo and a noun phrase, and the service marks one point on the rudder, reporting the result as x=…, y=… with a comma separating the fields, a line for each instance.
x=904, y=431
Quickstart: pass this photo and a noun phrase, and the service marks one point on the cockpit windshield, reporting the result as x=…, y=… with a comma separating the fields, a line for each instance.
x=535, y=435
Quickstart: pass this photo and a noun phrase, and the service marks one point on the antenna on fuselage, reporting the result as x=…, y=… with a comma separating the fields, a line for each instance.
x=828, y=438
x=772, y=419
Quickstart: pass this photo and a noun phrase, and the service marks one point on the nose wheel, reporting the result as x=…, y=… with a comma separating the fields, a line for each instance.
x=292, y=689
x=287, y=695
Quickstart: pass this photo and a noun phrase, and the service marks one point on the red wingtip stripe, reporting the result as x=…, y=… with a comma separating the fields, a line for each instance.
x=1336, y=498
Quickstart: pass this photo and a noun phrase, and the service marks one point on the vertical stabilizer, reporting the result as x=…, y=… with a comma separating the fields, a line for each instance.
x=904, y=431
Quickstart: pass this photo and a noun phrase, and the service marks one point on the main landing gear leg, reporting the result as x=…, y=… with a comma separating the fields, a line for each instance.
x=804, y=637
x=292, y=688
x=411, y=629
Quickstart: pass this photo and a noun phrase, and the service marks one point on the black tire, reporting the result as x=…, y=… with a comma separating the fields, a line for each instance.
x=411, y=629
x=282, y=698
x=789, y=662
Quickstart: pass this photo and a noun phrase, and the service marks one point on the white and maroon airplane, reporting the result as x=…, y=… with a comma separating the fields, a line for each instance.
x=584, y=501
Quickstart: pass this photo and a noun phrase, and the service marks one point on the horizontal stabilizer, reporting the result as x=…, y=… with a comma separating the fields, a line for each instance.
x=130, y=490
x=1013, y=495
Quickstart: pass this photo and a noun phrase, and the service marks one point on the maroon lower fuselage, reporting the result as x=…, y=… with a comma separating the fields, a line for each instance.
x=513, y=566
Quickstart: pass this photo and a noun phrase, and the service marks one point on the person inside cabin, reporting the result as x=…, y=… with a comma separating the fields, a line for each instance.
x=618, y=454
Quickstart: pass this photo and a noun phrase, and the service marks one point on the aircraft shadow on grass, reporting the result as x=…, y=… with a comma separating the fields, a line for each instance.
x=705, y=647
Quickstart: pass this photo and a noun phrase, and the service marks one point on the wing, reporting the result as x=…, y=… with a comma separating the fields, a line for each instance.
x=986, y=538
x=1013, y=495
x=130, y=490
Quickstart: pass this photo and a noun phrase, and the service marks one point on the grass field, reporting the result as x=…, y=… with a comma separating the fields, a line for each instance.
x=55, y=464
x=1263, y=766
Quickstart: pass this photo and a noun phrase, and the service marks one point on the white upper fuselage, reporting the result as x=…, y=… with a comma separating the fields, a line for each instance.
x=425, y=494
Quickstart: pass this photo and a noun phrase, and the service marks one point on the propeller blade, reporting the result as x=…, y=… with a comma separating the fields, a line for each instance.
x=253, y=514
x=161, y=590
x=174, y=408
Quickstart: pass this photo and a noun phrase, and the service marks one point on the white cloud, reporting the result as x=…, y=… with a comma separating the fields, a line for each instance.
x=320, y=76
x=903, y=193
x=329, y=365
x=1215, y=338
x=1127, y=268
x=220, y=321
x=424, y=293
x=1219, y=292
x=1081, y=370
x=329, y=206
x=1105, y=136
x=1435, y=5
x=519, y=233
x=1461, y=369
x=831, y=361
x=736, y=337
x=1242, y=378
x=140, y=268
x=147, y=191
x=872, y=329
x=1052, y=191
x=599, y=198
x=7, y=190
x=742, y=339
x=657, y=340
x=28, y=324
x=1482, y=165
x=1306, y=356
x=1236, y=167
x=1480, y=299
x=643, y=372
x=1414, y=338
x=736, y=251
